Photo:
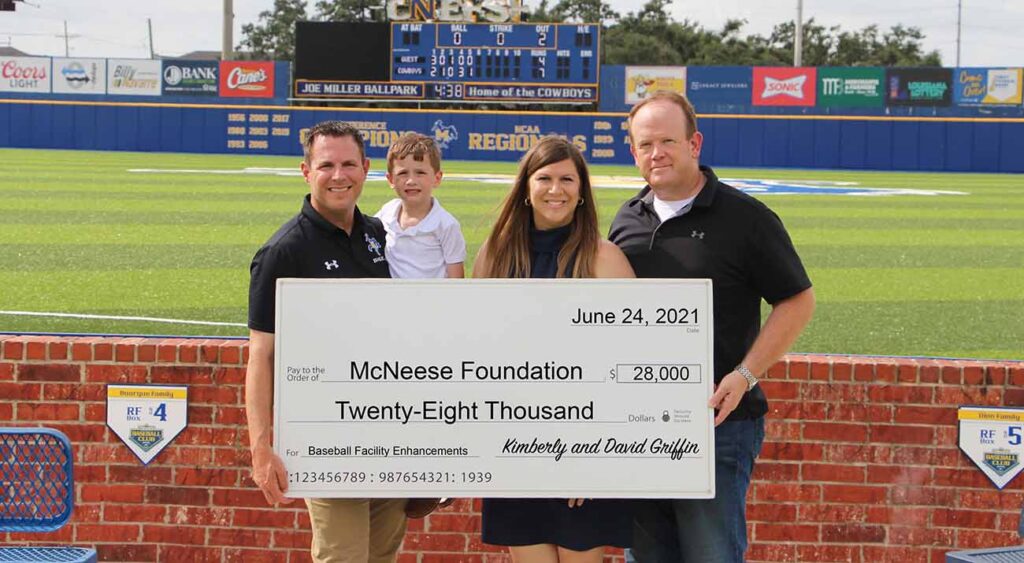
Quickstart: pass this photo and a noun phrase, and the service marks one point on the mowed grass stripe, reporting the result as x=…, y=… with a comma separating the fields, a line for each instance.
x=967, y=329
x=917, y=284
x=134, y=290
x=889, y=257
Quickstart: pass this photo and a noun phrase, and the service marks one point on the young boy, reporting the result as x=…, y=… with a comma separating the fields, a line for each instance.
x=423, y=240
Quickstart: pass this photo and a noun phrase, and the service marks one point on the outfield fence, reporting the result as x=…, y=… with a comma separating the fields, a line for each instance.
x=960, y=144
x=860, y=464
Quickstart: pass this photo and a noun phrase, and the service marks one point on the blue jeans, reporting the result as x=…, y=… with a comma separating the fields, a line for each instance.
x=699, y=530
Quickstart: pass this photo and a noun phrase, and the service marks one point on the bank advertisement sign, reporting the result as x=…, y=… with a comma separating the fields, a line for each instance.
x=708, y=86
x=246, y=79
x=784, y=86
x=918, y=86
x=851, y=87
x=987, y=86
x=190, y=78
x=25, y=74
x=79, y=76
x=133, y=77
x=642, y=80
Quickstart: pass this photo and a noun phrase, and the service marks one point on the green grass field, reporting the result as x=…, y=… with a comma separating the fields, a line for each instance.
x=905, y=275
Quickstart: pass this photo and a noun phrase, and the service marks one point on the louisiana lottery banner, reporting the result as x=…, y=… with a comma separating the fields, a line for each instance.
x=918, y=86
x=133, y=77
x=993, y=437
x=987, y=86
x=25, y=74
x=642, y=80
x=79, y=76
x=244, y=79
x=147, y=418
x=784, y=86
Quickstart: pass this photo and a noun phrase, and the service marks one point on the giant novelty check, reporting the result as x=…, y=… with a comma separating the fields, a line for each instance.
x=497, y=388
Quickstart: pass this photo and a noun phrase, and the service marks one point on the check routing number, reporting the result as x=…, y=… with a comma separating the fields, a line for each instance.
x=496, y=388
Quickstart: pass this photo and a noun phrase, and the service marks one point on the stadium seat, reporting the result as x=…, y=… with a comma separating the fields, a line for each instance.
x=38, y=492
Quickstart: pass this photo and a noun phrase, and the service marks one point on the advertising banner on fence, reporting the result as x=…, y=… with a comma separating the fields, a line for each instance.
x=708, y=86
x=133, y=77
x=642, y=80
x=851, y=87
x=79, y=76
x=918, y=86
x=245, y=79
x=190, y=78
x=25, y=74
x=987, y=86
x=784, y=86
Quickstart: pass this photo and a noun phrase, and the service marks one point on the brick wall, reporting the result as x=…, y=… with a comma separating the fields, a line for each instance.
x=860, y=464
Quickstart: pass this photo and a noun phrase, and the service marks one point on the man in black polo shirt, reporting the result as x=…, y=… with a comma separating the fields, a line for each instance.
x=329, y=238
x=687, y=224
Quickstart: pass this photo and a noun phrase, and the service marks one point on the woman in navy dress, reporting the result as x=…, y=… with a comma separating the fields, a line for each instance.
x=547, y=228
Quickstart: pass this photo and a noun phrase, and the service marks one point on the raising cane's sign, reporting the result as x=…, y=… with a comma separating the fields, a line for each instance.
x=25, y=74
x=244, y=79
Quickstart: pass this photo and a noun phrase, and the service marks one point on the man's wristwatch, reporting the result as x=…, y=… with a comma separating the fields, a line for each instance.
x=751, y=379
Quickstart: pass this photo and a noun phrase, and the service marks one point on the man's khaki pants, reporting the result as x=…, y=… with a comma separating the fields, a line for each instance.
x=356, y=530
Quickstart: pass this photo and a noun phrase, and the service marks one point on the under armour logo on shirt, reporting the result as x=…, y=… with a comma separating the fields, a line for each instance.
x=697, y=234
x=332, y=265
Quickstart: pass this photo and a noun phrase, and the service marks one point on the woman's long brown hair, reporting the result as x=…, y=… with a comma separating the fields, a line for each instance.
x=508, y=247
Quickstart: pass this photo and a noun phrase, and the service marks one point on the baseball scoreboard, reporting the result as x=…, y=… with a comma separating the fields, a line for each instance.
x=471, y=62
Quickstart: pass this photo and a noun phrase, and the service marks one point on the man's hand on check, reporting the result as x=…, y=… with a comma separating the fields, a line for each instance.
x=269, y=474
x=727, y=395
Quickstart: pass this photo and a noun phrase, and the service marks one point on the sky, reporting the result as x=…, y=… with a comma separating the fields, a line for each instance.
x=990, y=29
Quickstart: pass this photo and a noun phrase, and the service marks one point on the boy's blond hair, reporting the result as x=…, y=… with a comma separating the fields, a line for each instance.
x=419, y=146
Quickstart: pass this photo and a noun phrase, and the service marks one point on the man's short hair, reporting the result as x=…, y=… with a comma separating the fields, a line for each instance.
x=417, y=145
x=673, y=97
x=332, y=129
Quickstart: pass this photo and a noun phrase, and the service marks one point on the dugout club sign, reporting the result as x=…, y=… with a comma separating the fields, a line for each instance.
x=24, y=74
x=239, y=79
x=784, y=86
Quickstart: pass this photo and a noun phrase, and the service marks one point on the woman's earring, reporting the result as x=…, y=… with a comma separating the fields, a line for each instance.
x=526, y=201
x=579, y=203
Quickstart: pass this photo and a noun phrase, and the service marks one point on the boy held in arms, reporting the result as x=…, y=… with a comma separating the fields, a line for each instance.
x=423, y=239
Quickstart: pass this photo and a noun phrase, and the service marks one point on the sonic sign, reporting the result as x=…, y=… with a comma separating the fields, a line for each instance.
x=483, y=11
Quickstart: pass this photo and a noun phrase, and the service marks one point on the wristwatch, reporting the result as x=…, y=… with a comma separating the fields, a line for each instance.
x=751, y=379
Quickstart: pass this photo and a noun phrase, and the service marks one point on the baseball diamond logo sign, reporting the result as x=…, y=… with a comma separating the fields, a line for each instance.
x=147, y=418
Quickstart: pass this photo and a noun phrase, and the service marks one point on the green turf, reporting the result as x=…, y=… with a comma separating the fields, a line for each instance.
x=906, y=275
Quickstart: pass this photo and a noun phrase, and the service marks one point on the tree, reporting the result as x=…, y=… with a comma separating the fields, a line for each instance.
x=584, y=11
x=273, y=37
x=351, y=10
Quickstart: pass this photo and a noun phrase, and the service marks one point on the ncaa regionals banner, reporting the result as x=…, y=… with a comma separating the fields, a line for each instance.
x=79, y=76
x=25, y=74
x=245, y=79
x=918, y=86
x=190, y=78
x=642, y=80
x=133, y=77
x=784, y=86
x=987, y=87
x=851, y=87
x=709, y=86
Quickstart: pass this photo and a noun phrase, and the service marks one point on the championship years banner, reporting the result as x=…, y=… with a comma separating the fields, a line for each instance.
x=501, y=388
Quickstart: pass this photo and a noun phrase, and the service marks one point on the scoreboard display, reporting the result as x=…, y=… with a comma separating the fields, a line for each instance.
x=449, y=61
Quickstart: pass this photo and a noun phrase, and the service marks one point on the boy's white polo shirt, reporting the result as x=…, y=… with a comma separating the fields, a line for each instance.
x=423, y=250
